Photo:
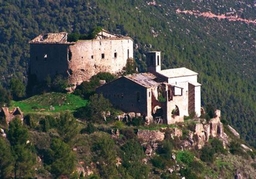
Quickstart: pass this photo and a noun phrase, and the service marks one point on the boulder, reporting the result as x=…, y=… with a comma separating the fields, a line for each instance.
x=150, y=135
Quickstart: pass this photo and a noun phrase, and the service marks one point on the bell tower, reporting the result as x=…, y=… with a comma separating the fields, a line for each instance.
x=153, y=59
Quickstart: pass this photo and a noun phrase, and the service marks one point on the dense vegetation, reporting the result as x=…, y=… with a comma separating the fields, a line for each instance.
x=222, y=52
x=59, y=146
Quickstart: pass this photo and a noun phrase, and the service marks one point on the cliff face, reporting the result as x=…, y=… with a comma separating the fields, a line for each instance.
x=197, y=135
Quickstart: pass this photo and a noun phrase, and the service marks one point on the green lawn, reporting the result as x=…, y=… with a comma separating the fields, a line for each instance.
x=50, y=102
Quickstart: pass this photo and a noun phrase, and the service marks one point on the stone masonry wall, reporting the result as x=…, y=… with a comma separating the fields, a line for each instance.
x=90, y=57
x=79, y=61
x=48, y=60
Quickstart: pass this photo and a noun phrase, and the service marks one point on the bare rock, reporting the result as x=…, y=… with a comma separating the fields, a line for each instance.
x=246, y=148
x=234, y=131
x=150, y=135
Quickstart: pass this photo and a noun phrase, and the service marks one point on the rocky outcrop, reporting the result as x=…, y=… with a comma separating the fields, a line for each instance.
x=216, y=127
x=203, y=131
x=150, y=135
x=151, y=138
x=234, y=131
x=198, y=135
x=9, y=115
x=246, y=148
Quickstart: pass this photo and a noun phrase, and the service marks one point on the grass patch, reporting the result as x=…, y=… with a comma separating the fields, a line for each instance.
x=157, y=126
x=50, y=102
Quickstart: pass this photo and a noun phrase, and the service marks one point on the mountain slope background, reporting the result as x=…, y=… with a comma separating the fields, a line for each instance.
x=221, y=51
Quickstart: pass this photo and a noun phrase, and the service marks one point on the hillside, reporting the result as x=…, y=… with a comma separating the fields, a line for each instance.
x=51, y=144
x=221, y=51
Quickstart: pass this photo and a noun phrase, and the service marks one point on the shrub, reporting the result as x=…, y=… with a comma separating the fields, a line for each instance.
x=130, y=66
x=73, y=37
x=196, y=166
x=88, y=88
x=108, y=77
x=59, y=83
x=191, y=126
x=90, y=128
x=137, y=121
x=119, y=125
x=128, y=133
x=217, y=146
x=158, y=162
x=187, y=173
x=185, y=157
x=4, y=97
x=235, y=148
x=166, y=149
x=31, y=121
x=207, y=154
x=210, y=112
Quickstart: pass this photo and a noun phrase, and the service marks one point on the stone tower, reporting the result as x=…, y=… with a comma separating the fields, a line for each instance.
x=153, y=59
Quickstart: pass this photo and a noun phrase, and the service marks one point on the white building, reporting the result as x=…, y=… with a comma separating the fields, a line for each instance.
x=160, y=95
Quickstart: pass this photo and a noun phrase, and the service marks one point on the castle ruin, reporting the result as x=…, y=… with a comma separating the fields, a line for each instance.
x=51, y=54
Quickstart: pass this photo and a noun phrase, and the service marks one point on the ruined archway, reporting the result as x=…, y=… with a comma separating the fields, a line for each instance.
x=176, y=111
x=157, y=114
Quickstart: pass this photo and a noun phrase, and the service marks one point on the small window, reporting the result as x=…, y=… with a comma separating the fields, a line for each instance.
x=92, y=57
x=69, y=55
x=102, y=55
x=115, y=54
x=157, y=59
x=45, y=56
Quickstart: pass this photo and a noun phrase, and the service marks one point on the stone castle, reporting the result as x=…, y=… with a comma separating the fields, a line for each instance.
x=51, y=54
x=165, y=96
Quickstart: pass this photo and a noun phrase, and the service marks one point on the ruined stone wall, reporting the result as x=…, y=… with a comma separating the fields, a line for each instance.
x=180, y=101
x=90, y=57
x=81, y=60
x=126, y=95
x=183, y=101
x=48, y=59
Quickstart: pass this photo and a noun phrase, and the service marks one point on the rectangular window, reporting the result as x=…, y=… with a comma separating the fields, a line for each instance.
x=102, y=55
x=157, y=59
x=92, y=57
x=69, y=55
x=177, y=91
x=128, y=53
x=115, y=55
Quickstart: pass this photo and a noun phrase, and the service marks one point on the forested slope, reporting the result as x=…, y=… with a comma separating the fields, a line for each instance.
x=221, y=51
